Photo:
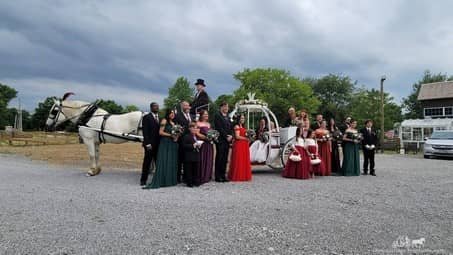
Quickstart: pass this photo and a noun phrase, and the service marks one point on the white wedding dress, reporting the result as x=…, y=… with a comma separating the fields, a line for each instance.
x=258, y=151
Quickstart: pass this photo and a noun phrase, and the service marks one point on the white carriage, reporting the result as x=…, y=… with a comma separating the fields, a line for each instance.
x=280, y=140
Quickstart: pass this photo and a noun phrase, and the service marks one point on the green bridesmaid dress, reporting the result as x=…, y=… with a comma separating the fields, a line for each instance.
x=166, y=163
x=351, y=157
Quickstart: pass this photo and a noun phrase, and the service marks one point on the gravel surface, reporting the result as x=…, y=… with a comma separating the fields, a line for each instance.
x=46, y=209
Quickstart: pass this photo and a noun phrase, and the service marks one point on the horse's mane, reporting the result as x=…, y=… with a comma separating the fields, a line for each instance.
x=77, y=104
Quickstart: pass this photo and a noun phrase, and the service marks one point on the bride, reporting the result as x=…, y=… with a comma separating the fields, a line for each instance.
x=258, y=149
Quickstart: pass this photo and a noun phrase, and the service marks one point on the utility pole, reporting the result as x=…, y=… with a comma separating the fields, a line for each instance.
x=382, y=113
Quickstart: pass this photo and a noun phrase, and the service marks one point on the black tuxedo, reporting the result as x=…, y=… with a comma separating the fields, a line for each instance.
x=191, y=159
x=181, y=119
x=224, y=126
x=150, y=136
x=200, y=100
x=369, y=138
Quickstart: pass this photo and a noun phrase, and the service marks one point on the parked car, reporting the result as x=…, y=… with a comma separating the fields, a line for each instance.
x=439, y=144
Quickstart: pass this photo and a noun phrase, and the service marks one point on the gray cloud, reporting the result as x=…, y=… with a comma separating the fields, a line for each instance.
x=141, y=47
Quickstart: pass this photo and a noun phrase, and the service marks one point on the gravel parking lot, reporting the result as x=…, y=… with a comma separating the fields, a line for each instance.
x=46, y=209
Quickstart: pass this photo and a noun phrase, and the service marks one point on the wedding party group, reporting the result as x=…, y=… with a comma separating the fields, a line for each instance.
x=185, y=148
x=316, y=150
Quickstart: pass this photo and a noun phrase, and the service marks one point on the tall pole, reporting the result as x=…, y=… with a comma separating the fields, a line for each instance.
x=382, y=113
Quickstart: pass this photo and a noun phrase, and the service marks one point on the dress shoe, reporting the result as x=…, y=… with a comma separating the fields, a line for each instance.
x=190, y=185
x=373, y=174
x=365, y=173
x=218, y=180
x=225, y=180
x=142, y=183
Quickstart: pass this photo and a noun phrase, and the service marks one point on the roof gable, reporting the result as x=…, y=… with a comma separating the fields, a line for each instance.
x=436, y=90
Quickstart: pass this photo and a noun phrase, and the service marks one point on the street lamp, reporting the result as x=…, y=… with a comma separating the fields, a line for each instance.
x=382, y=113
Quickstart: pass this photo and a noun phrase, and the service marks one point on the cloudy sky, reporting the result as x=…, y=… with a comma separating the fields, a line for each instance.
x=132, y=51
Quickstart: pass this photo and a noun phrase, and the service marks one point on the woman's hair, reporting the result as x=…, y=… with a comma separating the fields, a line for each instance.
x=237, y=118
x=202, y=112
x=298, y=133
x=192, y=124
x=309, y=132
x=167, y=113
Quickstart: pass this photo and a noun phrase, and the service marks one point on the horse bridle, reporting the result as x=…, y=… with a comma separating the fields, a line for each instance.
x=59, y=110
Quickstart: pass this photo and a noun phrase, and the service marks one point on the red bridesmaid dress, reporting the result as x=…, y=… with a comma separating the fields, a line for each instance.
x=312, y=147
x=300, y=169
x=240, y=167
x=325, y=151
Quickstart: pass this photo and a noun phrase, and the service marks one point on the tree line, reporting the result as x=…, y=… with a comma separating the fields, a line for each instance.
x=334, y=96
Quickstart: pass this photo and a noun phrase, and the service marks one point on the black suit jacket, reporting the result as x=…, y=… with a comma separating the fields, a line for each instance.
x=190, y=153
x=201, y=99
x=181, y=120
x=150, y=130
x=223, y=125
x=368, y=138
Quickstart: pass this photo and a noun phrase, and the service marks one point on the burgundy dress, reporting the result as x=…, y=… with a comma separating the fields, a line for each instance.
x=301, y=169
x=240, y=167
x=325, y=152
x=206, y=158
x=312, y=147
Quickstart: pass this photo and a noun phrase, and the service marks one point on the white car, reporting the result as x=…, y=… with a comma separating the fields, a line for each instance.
x=439, y=144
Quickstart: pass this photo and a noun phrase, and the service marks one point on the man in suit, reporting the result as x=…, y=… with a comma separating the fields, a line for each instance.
x=150, y=124
x=182, y=118
x=317, y=123
x=368, y=146
x=201, y=99
x=191, y=148
x=222, y=124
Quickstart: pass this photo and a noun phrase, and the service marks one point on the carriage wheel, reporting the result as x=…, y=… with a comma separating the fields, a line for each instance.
x=287, y=150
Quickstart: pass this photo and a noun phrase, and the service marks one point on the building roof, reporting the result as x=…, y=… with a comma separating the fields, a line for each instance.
x=428, y=123
x=436, y=90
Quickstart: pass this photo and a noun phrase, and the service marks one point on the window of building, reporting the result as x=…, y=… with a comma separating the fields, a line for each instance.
x=439, y=111
x=406, y=133
x=427, y=132
x=417, y=134
x=449, y=111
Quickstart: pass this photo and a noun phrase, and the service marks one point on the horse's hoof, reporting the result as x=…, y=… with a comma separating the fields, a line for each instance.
x=97, y=171
x=91, y=172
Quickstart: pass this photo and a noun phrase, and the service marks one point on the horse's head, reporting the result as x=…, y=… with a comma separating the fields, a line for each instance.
x=56, y=113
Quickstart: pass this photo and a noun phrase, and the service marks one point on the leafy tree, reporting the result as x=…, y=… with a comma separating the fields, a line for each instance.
x=110, y=106
x=180, y=91
x=6, y=94
x=335, y=93
x=130, y=108
x=41, y=114
x=278, y=88
x=366, y=104
x=411, y=105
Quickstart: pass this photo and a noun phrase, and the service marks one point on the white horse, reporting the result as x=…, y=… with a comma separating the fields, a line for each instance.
x=96, y=125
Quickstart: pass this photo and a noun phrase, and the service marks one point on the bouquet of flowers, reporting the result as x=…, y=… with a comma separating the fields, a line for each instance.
x=357, y=137
x=337, y=136
x=212, y=136
x=264, y=137
x=250, y=134
x=324, y=138
x=177, y=130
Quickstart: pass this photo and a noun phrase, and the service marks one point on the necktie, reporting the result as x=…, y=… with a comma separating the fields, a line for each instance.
x=156, y=117
x=187, y=116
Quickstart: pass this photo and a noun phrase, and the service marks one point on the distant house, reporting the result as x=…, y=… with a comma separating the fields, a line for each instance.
x=437, y=102
x=437, y=99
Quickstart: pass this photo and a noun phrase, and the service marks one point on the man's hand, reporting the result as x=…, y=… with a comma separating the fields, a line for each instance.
x=149, y=147
x=229, y=138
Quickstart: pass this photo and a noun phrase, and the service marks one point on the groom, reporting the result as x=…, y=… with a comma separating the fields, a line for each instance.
x=150, y=125
x=368, y=146
x=222, y=124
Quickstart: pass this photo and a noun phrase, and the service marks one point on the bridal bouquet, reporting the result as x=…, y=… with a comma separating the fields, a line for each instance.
x=177, y=130
x=337, y=136
x=324, y=138
x=264, y=137
x=250, y=134
x=357, y=137
x=212, y=136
